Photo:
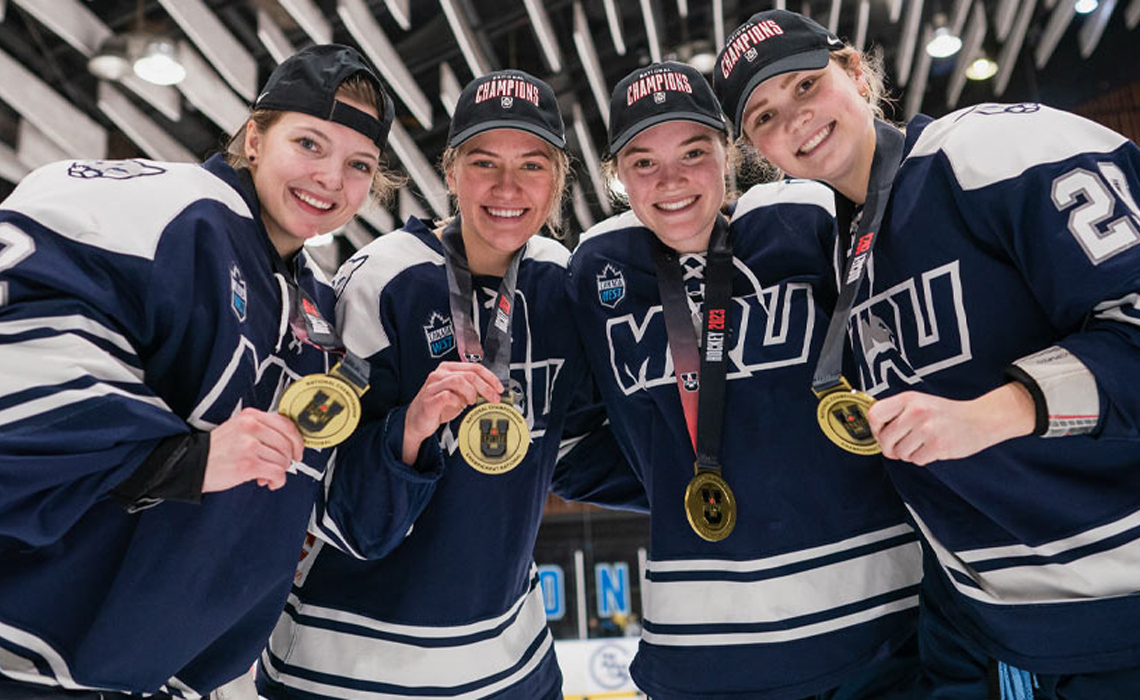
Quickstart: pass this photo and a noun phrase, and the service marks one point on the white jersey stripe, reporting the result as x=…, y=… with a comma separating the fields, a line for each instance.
x=68, y=324
x=1103, y=574
x=59, y=359
x=811, y=592
x=66, y=398
x=722, y=639
x=752, y=565
x=398, y=663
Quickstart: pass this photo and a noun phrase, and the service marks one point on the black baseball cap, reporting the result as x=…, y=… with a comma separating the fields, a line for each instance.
x=770, y=43
x=657, y=93
x=507, y=99
x=307, y=82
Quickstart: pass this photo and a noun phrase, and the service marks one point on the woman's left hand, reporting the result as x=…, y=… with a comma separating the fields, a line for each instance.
x=923, y=428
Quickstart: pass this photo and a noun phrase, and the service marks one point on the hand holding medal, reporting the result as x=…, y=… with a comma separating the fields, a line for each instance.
x=842, y=411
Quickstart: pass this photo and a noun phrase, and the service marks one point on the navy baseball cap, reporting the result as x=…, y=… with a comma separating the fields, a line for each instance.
x=770, y=43
x=307, y=82
x=507, y=99
x=657, y=93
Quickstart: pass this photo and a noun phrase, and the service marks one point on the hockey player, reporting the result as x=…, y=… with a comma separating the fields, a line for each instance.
x=150, y=316
x=999, y=326
x=470, y=312
x=780, y=567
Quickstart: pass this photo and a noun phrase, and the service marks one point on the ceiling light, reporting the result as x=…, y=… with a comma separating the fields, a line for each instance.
x=159, y=62
x=704, y=62
x=943, y=43
x=983, y=68
x=1083, y=7
x=111, y=61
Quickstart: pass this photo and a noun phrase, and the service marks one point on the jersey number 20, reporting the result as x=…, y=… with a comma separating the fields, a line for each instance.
x=15, y=245
x=1087, y=221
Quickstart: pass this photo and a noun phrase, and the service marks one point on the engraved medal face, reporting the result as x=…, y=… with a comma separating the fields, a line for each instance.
x=710, y=506
x=324, y=408
x=493, y=437
x=842, y=417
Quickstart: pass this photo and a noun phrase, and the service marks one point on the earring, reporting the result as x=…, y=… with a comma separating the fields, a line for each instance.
x=251, y=158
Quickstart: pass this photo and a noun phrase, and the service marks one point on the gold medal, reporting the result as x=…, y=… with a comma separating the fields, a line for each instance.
x=493, y=437
x=710, y=506
x=842, y=416
x=325, y=408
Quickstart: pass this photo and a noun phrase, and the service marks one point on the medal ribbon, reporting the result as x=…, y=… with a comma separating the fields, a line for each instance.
x=704, y=404
x=497, y=357
x=889, y=143
x=311, y=328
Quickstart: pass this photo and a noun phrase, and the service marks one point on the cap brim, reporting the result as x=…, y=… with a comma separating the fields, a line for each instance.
x=626, y=136
x=544, y=134
x=812, y=59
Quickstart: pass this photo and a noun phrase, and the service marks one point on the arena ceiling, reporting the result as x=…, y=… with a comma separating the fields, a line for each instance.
x=52, y=107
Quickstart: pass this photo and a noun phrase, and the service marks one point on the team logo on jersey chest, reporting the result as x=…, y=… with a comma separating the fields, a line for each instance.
x=611, y=286
x=439, y=334
x=239, y=295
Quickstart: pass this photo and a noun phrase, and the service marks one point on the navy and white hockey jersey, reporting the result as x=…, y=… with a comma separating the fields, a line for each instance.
x=1012, y=237
x=453, y=608
x=820, y=575
x=138, y=302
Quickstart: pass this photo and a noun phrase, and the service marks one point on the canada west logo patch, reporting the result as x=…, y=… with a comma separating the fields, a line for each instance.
x=611, y=286
x=439, y=334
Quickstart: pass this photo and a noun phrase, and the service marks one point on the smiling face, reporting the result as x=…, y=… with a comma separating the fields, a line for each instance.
x=673, y=174
x=815, y=124
x=505, y=182
x=311, y=175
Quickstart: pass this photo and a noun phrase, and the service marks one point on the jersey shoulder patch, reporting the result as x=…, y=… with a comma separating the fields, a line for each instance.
x=361, y=282
x=616, y=222
x=792, y=191
x=543, y=249
x=122, y=206
x=990, y=143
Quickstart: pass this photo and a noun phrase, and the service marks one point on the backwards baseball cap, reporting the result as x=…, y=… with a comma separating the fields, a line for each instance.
x=657, y=93
x=507, y=99
x=770, y=43
x=307, y=82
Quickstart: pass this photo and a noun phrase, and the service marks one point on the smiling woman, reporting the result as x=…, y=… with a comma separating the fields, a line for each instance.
x=151, y=316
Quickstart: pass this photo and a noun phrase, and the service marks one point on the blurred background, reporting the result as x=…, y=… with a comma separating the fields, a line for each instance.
x=169, y=79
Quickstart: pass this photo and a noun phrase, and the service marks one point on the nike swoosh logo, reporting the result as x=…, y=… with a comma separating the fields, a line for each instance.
x=833, y=41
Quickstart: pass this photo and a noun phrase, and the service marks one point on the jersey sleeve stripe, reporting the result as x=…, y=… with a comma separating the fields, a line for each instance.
x=61, y=399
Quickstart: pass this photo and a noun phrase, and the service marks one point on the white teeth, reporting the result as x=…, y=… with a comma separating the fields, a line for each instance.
x=815, y=140
x=674, y=206
x=506, y=213
x=312, y=201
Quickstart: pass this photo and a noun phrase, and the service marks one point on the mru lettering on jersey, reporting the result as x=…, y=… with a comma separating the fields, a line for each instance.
x=657, y=83
x=913, y=329
x=771, y=327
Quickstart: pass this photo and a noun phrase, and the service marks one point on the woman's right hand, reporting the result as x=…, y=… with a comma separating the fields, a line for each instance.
x=252, y=445
x=450, y=388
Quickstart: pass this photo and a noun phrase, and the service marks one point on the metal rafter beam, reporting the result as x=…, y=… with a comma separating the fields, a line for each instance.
x=908, y=44
x=833, y=16
x=581, y=208
x=374, y=42
x=1132, y=15
x=718, y=24
x=613, y=19
x=971, y=48
x=309, y=18
x=544, y=31
x=401, y=11
x=209, y=93
x=449, y=88
x=420, y=170
x=153, y=140
x=861, y=23
x=218, y=45
x=465, y=37
x=34, y=148
x=408, y=205
x=588, y=55
x=1007, y=59
x=917, y=89
x=590, y=157
x=11, y=169
x=377, y=217
x=1059, y=21
x=72, y=130
x=79, y=27
x=651, y=35
x=1003, y=18
x=272, y=38
x=1094, y=26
